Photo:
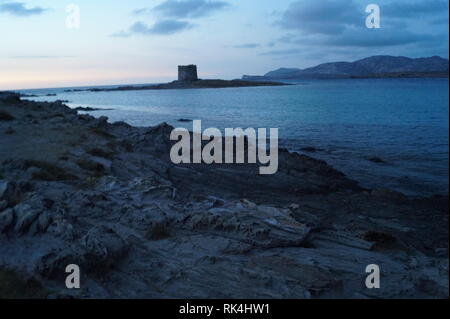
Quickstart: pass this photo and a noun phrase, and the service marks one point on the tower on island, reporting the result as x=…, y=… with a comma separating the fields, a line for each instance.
x=187, y=73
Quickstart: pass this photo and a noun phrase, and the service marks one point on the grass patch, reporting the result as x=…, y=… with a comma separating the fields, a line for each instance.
x=101, y=133
x=98, y=152
x=5, y=116
x=48, y=171
x=11, y=287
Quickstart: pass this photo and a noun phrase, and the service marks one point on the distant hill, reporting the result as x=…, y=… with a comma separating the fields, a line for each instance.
x=375, y=66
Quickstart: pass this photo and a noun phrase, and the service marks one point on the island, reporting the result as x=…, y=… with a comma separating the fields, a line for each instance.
x=187, y=79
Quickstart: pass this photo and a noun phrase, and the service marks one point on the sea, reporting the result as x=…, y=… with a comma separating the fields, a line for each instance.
x=404, y=123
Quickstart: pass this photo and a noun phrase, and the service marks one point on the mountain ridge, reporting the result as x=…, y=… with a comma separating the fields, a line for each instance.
x=374, y=66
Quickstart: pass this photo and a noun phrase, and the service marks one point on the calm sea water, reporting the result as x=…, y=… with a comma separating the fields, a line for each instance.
x=405, y=122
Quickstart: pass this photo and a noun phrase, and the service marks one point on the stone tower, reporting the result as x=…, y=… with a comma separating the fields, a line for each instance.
x=187, y=73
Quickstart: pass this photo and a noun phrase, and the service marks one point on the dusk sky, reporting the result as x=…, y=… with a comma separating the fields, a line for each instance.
x=143, y=41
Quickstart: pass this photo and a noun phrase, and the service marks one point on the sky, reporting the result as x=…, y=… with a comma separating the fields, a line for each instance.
x=143, y=41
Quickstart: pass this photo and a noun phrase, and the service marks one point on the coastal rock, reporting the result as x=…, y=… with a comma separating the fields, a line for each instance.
x=44, y=221
x=103, y=247
x=6, y=219
x=26, y=215
x=85, y=109
x=262, y=226
x=382, y=192
x=10, y=97
x=5, y=189
x=143, y=227
x=3, y=204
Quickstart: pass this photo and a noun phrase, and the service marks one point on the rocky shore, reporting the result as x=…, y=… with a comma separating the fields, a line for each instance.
x=75, y=189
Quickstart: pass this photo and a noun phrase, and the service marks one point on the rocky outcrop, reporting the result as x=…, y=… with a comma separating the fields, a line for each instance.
x=75, y=189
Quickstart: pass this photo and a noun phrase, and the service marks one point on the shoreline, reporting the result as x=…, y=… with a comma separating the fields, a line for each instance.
x=77, y=189
x=377, y=172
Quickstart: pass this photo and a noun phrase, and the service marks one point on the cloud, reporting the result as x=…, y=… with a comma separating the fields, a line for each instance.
x=20, y=10
x=379, y=38
x=415, y=9
x=163, y=27
x=121, y=34
x=139, y=11
x=42, y=57
x=282, y=52
x=365, y=38
x=332, y=23
x=321, y=17
x=247, y=46
x=172, y=16
x=180, y=9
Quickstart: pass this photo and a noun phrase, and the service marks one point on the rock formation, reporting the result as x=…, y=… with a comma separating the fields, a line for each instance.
x=75, y=189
